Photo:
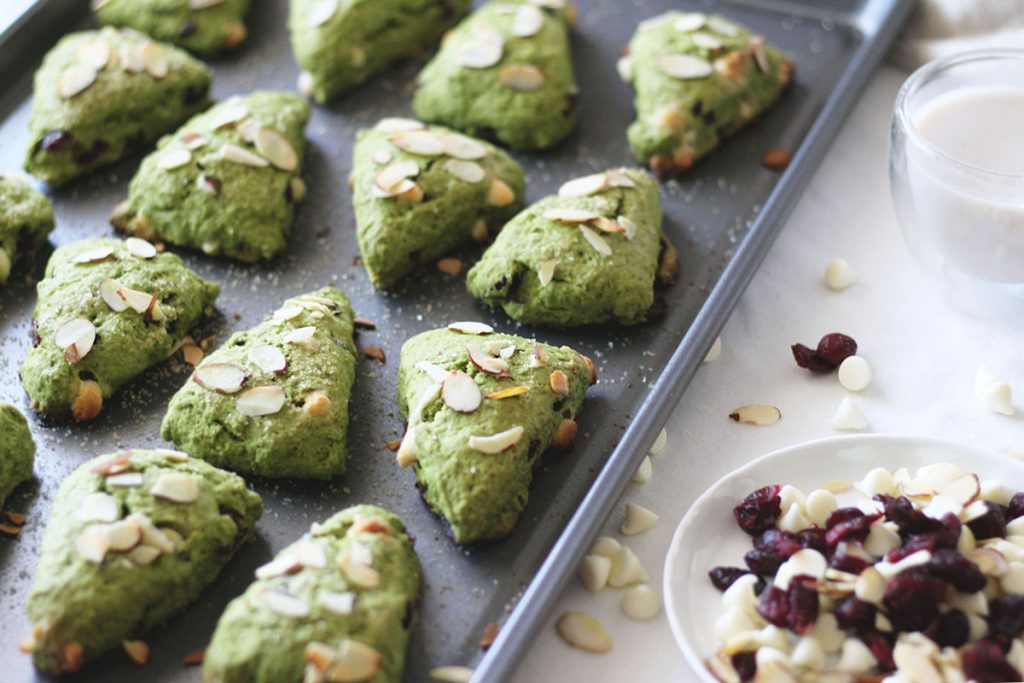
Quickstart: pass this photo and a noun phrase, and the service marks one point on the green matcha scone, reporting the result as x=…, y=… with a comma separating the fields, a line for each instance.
x=419, y=192
x=101, y=95
x=107, y=310
x=480, y=409
x=132, y=538
x=203, y=26
x=341, y=43
x=336, y=605
x=273, y=400
x=505, y=74
x=17, y=450
x=26, y=218
x=587, y=255
x=227, y=182
x=698, y=79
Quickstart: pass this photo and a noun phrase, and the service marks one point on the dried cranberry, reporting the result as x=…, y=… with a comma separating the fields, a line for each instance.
x=723, y=577
x=1006, y=617
x=951, y=566
x=1016, y=507
x=774, y=607
x=985, y=662
x=950, y=629
x=188, y=27
x=809, y=360
x=929, y=542
x=813, y=538
x=913, y=600
x=848, y=524
x=771, y=549
x=881, y=648
x=57, y=140
x=759, y=511
x=803, y=604
x=836, y=347
x=990, y=525
x=848, y=563
x=853, y=612
x=909, y=519
x=745, y=664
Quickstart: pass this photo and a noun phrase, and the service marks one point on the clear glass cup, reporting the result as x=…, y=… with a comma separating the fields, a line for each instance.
x=964, y=223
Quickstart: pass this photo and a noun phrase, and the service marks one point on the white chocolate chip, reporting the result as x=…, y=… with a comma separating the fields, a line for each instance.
x=996, y=395
x=626, y=569
x=881, y=539
x=643, y=473
x=808, y=654
x=594, y=571
x=856, y=658
x=878, y=480
x=584, y=631
x=741, y=594
x=854, y=373
x=839, y=275
x=659, y=443
x=605, y=546
x=715, y=351
x=733, y=621
x=849, y=417
x=820, y=504
x=793, y=520
x=638, y=519
x=640, y=603
x=98, y=507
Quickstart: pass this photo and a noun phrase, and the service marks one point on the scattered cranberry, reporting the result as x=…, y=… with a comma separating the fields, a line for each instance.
x=774, y=607
x=950, y=629
x=771, y=549
x=910, y=520
x=848, y=524
x=803, y=604
x=913, y=600
x=985, y=662
x=759, y=511
x=808, y=359
x=1006, y=617
x=745, y=664
x=813, y=538
x=990, y=525
x=851, y=564
x=853, y=612
x=1016, y=508
x=836, y=347
x=723, y=577
x=881, y=648
x=929, y=542
x=949, y=565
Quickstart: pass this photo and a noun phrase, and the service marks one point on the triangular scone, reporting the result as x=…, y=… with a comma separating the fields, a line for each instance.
x=100, y=95
x=336, y=605
x=227, y=182
x=132, y=538
x=698, y=79
x=480, y=409
x=203, y=26
x=17, y=450
x=273, y=400
x=505, y=74
x=587, y=255
x=107, y=310
x=26, y=218
x=341, y=43
x=419, y=192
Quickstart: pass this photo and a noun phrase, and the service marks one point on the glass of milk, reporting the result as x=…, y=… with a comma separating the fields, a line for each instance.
x=957, y=174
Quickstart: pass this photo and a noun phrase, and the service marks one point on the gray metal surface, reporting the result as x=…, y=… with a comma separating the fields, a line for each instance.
x=722, y=215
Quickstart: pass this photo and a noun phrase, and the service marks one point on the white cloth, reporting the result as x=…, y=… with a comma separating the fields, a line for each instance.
x=924, y=355
x=944, y=27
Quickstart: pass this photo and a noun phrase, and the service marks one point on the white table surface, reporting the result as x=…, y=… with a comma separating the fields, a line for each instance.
x=924, y=355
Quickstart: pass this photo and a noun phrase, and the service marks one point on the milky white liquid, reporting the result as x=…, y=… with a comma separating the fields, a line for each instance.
x=976, y=221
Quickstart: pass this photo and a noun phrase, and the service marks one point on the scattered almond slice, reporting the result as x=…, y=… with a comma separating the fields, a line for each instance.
x=684, y=67
x=96, y=255
x=487, y=363
x=74, y=80
x=240, y=155
x=261, y=401
x=585, y=186
x=500, y=194
x=584, y=632
x=496, y=443
x=357, y=573
x=285, y=604
x=275, y=148
x=92, y=544
x=481, y=54
x=395, y=124
x=571, y=215
x=546, y=272
x=98, y=507
x=522, y=77
x=224, y=378
x=339, y=603
x=469, y=171
x=461, y=147
x=268, y=358
x=300, y=335
x=281, y=565
x=460, y=392
x=176, y=487
x=759, y=415
x=471, y=328
x=596, y=241
x=76, y=338
x=420, y=142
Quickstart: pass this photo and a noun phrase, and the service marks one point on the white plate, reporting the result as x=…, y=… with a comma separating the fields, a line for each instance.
x=708, y=536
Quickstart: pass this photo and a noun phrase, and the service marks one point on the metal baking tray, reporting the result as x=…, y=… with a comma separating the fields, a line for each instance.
x=723, y=216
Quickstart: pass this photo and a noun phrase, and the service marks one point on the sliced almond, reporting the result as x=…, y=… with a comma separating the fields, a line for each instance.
x=137, y=651
x=522, y=77
x=719, y=25
x=224, y=378
x=759, y=415
x=434, y=371
x=706, y=41
x=154, y=59
x=74, y=80
x=139, y=302
x=381, y=157
x=461, y=147
x=605, y=224
x=546, y=272
x=192, y=141
x=124, y=535
x=339, y=603
x=419, y=142
x=76, y=338
x=497, y=443
x=528, y=21
x=450, y=266
x=260, y=401
x=757, y=49
x=288, y=312
x=691, y=21
x=144, y=555
x=128, y=479
x=469, y=327
x=480, y=54
x=584, y=631
x=507, y=393
x=275, y=148
x=596, y=241
x=559, y=383
x=203, y=4
x=93, y=54
x=585, y=186
x=460, y=392
x=176, y=487
x=486, y=362
x=469, y=171
x=565, y=433
x=92, y=544
x=570, y=215
x=230, y=112
x=285, y=563
x=285, y=604
x=140, y=248
x=240, y=155
x=96, y=255
x=395, y=124
x=617, y=177
x=684, y=67
x=963, y=489
x=389, y=180
x=268, y=358
x=500, y=194
x=628, y=227
x=357, y=573
x=351, y=662
x=98, y=507
x=173, y=158
x=300, y=335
